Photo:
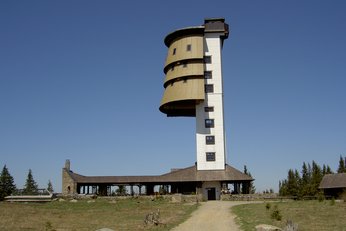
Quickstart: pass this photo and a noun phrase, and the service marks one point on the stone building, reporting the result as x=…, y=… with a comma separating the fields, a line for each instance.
x=185, y=181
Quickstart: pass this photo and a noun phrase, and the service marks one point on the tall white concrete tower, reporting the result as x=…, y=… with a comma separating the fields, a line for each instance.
x=193, y=86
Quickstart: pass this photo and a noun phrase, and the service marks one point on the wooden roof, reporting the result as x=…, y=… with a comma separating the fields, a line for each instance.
x=189, y=174
x=337, y=180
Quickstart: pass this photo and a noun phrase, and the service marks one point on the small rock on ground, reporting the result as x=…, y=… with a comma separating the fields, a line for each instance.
x=264, y=227
x=105, y=229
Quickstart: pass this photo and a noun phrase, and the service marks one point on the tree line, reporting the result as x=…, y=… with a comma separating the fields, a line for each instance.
x=306, y=182
x=8, y=187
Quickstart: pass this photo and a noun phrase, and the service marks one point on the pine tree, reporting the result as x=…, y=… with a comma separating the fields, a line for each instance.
x=251, y=186
x=50, y=187
x=305, y=181
x=31, y=187
x=7, y=186
x=342, y=167
x=122, y=191
x=283, y=188
x=326, y=170
x=316, y=178
x=293, y=179
x=329, y=170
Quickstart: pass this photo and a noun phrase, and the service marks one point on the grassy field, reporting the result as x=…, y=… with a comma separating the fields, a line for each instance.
x=309, y=215
x=128, y=214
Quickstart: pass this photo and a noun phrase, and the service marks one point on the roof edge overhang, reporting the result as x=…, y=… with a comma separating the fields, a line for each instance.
x=188, y=31
x=189, y=174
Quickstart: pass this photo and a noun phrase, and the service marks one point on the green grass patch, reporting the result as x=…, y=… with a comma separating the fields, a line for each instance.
x=124, y=214
x=309, y=215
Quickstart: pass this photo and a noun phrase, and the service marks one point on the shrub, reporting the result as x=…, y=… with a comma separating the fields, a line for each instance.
x=332, y=201
x=320, y=197
x=276, y=214
x=268, y=205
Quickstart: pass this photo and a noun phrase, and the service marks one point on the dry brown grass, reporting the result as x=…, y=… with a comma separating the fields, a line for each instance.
x=309, y=215
x=126, y=214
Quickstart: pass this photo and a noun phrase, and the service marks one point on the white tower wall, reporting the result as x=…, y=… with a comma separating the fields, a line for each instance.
x=212, y=47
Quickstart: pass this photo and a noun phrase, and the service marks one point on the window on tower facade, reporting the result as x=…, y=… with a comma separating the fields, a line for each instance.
x=210, y=139
x=208, y=109
x=209, y=88
x=209, y=123
x=207, y=75
x=174, y=51
x=207, y=59
x=210, y=156
x=184, y=64
x=188, y=47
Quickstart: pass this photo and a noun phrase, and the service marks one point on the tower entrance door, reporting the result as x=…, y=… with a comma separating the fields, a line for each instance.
x=211, y=194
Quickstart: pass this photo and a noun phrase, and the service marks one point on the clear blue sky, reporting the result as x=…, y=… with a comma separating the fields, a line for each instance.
x=82, y=80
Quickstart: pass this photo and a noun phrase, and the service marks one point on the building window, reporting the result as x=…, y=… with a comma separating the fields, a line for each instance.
x=207, y=59
x=210, y=139
x=174, y=51
x=210, y=156
x=184, y=64
x=188, y=47
x=209, y=123
x=207, y=75
x=208, y=109
x=209, y=88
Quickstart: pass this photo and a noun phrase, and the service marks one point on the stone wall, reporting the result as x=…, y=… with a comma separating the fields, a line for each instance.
x=69, y=186
x=250, y=197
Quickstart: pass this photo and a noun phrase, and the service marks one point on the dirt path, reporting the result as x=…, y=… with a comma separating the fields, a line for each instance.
x=211, y=215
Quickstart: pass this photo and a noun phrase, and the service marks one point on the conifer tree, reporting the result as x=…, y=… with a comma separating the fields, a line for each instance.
x=342, y=165
x=121, y=190
x=252, y=188
x=7, y=186
x=305, y=181
x=31, y=187
x=326, y=170
x=316, y=178
x=50, y=187
x=293, y=179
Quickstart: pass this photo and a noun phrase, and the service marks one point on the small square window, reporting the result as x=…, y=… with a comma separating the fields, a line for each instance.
x=174, y=51
x=207, y=59
x=209, y=123
x=207, y=75
x=188, y=47
x=210, y=139
x=209, y=88
x=210, y=156
x=208, y=109
x=184, y=64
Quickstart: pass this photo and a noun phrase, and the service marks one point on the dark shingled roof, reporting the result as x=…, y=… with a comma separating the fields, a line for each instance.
x=337, y=180
x=189, y=174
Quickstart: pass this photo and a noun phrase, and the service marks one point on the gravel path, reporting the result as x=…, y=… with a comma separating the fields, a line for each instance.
x=211, y=216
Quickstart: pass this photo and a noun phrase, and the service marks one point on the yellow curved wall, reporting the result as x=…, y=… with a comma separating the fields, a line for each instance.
x=191, y=69
x=184, y=80
x=181, y=53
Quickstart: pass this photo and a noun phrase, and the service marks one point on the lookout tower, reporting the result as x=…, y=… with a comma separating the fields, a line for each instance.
x=193, y=86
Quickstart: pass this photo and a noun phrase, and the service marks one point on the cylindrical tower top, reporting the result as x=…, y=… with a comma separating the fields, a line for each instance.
x=184, y=68
x=211, y=25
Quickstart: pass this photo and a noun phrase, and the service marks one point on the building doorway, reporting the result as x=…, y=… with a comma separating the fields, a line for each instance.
x=211, y=194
